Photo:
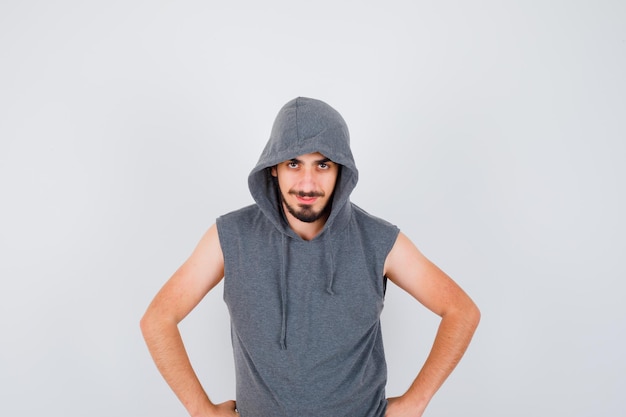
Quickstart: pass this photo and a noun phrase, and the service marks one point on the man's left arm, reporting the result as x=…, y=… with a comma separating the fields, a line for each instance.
x=410, y=270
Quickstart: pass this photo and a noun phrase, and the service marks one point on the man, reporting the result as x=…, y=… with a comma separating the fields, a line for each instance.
x=305, y=272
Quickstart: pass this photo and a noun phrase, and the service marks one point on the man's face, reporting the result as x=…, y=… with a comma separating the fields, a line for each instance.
x=306, y=185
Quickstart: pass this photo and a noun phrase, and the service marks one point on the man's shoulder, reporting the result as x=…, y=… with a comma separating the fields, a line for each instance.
x=366, y=219
x=242, y=217
x=236, y=223
x=374, y=229
x=242, y=212
x=245, y=227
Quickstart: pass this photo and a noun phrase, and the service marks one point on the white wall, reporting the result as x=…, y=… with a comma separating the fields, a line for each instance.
x=492, y=132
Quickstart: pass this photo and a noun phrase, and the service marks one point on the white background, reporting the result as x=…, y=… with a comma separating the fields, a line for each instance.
x=493, y=133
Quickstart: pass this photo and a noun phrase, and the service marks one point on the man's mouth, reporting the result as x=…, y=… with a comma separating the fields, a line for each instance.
x=306, y=200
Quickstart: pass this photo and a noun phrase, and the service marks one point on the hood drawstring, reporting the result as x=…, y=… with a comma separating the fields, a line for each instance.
x=331, y=263
x=283, y=291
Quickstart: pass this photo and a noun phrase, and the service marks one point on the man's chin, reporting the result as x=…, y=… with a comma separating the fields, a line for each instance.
x=307, y=216
x=305, y=212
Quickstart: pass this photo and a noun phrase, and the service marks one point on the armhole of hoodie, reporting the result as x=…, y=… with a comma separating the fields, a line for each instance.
x=395, y=231
x=222, y=228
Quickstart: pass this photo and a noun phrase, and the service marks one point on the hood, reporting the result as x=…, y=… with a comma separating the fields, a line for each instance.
x=302, y=126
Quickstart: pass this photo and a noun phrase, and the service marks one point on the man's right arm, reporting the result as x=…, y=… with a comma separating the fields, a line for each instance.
x=181, y=293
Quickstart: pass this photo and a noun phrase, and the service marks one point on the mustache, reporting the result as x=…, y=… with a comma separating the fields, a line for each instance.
x=307, y=193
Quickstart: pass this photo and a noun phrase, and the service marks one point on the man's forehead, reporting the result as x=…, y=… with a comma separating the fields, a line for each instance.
x=314, y=156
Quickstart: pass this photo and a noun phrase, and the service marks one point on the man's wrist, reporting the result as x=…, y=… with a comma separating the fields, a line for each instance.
x=206, y=410
x=414, y=401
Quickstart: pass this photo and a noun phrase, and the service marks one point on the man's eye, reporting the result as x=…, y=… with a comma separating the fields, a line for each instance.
x=292, y=165
x=323, y=166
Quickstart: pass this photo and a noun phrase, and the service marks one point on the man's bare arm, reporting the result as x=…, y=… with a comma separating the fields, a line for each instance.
x=411, y=271
x=183, y=291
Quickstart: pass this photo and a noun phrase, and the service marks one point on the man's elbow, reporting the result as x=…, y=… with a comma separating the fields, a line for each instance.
x=150, y=324
x=466, y=313
x=146, y=324
x=472, y=315
x=157, y=321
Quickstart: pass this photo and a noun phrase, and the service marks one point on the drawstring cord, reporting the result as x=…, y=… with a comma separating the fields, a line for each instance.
x=331, y=262
x=283, y=293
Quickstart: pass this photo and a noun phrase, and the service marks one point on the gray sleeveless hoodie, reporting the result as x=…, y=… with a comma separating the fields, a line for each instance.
x=305, y=315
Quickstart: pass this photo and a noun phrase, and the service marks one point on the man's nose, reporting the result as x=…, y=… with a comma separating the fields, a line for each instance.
x=307, y=180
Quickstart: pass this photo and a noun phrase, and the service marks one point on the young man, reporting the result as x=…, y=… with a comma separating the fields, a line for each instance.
x=305, y=272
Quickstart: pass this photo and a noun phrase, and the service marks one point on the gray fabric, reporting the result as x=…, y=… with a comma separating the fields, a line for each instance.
x=305, y=315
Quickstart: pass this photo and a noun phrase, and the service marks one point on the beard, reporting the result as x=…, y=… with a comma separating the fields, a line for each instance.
x=305, y=212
